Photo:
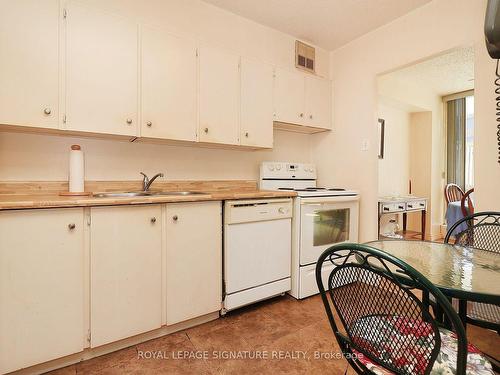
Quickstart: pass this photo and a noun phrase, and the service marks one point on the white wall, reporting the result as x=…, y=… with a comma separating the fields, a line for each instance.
x=429, y=30
x=37, y=157
x=30, y=157
x=421, y=127
x=394, y=168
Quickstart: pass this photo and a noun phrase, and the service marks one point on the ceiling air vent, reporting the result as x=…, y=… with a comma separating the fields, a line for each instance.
x=305, y=57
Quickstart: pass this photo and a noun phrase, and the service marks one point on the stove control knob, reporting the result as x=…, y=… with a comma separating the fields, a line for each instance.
x=278, y=167
x=270, y=167
x=281, y=210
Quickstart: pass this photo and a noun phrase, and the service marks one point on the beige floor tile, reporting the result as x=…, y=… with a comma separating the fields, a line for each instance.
x=98, y=364
x=279, y=325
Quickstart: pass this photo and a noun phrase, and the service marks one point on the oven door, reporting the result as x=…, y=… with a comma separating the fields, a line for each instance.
x=326, y=221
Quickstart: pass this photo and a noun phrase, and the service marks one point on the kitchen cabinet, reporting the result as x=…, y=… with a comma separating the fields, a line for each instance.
x=302, y=102
x=169, y=86
x=101, y=72
x=256, y=107
x=219, y=96
x=41, y=286
x=289, y=97
x=125, y=269
x=29, y=63
x=318, y=102
x=194, y=260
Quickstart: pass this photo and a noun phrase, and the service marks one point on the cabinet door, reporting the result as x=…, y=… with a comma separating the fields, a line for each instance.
x=41, y=286
x=169, y=86
x=219, y=96
x=256, y=104
x=289, y=97
x=194, y=260
x=125, y=281
x=101, y=72
x=29, y=63
x=318, y=102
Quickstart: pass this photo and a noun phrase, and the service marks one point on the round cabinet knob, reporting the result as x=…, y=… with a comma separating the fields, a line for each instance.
x=149, y=123
x=175, y=218
x=281, y=210
x=153, y=220
x=246, y=134
x=129, y=121
x=47, y=111
x=301, y=115
x=71, y=226
x=205, y=130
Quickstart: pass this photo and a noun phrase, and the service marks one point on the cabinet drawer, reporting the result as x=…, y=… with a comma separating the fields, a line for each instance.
x=393, y=207
x=416, y=205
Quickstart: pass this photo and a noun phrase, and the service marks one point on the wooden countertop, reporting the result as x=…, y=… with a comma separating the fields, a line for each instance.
x=25, y=195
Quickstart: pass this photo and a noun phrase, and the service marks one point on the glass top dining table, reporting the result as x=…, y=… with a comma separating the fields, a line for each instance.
x=461, y=272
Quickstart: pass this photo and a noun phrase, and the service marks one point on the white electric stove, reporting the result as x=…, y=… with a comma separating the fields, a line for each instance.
x=322, y=217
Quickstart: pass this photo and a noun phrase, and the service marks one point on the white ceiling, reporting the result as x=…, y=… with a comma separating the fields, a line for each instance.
x=326, y=23
x=445, y=74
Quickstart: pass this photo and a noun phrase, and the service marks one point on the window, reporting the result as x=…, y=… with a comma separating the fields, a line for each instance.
x=331, y=226
x=460, y=141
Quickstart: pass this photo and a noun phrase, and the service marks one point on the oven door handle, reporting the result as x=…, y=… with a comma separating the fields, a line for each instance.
x=329, y=201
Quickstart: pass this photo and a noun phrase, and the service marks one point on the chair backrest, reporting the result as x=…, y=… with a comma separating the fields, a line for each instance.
x=482, y=231
x=453, y=193
x=466, y=203
x=373, y=296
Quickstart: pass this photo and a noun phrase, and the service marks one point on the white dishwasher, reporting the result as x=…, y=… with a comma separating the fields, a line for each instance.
x=257, y=250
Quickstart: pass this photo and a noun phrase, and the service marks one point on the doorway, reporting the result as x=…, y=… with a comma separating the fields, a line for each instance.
x=426, y=107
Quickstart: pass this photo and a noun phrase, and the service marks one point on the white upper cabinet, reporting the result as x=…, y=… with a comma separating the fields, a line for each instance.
x=101, y=72
x=318, y=102
x=289, y=97
x=256, y=127
x=169, y=86
x=219, y=96
x=303, y=100
x=29, y=63
x=125, y=272
x=41, y=286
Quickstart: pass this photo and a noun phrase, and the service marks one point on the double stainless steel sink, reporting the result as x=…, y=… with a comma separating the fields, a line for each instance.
x=131, y=194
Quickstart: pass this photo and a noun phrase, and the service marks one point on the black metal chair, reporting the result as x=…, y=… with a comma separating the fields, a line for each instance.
x=482, y=232
x=383, y=327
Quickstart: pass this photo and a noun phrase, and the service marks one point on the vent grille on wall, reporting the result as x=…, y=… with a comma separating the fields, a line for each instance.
x=305, y=57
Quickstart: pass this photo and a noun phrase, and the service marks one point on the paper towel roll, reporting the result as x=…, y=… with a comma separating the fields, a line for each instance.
x=76, y=170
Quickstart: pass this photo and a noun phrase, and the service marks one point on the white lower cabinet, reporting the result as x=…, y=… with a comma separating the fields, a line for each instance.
x=41, y=286
x=46, y=256
x=194, y=260
x=125, y=272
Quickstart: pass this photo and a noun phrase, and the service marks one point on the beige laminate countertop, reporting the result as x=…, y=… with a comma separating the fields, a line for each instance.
x=10, y=202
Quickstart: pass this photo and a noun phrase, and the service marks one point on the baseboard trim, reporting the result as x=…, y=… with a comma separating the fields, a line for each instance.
x=114, y=346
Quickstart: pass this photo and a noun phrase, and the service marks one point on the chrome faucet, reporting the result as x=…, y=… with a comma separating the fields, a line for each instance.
x=146, y=181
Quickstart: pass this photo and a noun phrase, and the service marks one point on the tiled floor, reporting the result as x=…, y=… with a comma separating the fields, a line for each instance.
x=281, y=326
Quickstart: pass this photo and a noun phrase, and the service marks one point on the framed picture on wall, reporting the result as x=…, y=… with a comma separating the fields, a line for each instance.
x=381, y=130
